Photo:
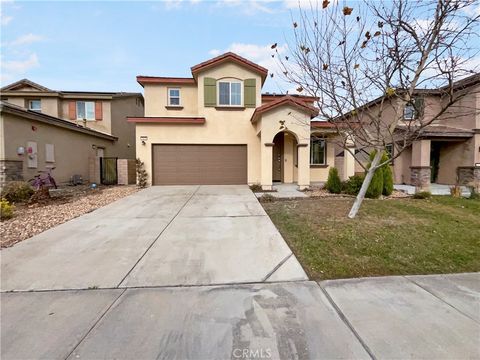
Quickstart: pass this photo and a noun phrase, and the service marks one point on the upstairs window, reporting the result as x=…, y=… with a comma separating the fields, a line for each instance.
x=173, y=97
x=229, y=93
x=318, y=152
x=35, y=105
x=85, y=110
x=409, y=112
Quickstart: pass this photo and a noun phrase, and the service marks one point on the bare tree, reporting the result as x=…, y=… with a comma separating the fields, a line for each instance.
x=368, y=59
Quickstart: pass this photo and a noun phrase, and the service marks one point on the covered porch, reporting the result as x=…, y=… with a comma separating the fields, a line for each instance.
x=443, y=156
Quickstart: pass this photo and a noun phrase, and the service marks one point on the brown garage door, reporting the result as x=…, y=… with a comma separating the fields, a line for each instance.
x=199, y=164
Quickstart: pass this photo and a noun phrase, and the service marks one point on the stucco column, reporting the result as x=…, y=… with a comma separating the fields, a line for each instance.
x=348, y=163
x=266, y=166
x=303, y=166
x=420, y=169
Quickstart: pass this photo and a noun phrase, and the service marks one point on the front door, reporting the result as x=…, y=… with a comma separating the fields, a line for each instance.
x=434, y=160
x=277, y=161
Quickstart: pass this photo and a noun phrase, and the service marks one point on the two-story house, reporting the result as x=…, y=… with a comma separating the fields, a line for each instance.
x=447, y=150
x=216, y=127
x=42, y=128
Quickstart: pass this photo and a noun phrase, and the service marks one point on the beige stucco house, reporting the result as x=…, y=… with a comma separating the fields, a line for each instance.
x=42, y=128
x=445, y=152
x=217, y=127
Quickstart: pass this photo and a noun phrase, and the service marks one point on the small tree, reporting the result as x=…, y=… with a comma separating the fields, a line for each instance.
x=381, y=53
x=141, y=174
x=375, y=187
x=334, y=184
x=387, y=176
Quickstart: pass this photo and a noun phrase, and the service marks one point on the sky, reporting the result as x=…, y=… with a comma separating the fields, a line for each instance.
x=104, y=45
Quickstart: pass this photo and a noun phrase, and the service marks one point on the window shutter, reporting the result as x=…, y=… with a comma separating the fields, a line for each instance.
x=210, y=92
x=98, y=110
x=419, y=106
x=250, y=88
x=72, y=110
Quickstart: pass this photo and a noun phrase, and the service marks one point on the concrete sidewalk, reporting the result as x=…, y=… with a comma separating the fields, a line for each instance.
x=434, y=317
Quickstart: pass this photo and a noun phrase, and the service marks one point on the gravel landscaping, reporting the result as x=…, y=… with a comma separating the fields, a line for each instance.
x=65, y=204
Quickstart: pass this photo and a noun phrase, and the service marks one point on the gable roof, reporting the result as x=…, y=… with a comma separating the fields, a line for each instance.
x=230, y=57
x=286, y=100
x=8, y=108
x=23, y=83
x=142, y=80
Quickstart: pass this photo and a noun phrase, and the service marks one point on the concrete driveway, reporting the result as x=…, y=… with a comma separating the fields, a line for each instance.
x=160, y=236
x=199, y=273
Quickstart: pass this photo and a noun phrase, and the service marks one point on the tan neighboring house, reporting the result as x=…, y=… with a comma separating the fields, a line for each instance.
x=42, y=128
x=217, y=127
x=448, y=150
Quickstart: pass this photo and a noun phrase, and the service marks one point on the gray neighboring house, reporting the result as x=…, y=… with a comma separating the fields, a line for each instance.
x=42, y=128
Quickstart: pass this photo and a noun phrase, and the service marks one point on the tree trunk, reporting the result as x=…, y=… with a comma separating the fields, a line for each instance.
x=366, y=183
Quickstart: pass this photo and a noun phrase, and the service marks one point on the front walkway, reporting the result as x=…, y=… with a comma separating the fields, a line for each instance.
x=435, y=189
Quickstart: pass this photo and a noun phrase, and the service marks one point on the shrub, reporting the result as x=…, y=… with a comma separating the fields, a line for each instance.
x=17, y=191
x=256, y=187
x=422, y=195
x=456, y=191
x=141, y=174
x=267, y=198
x=334, y=184
x=474, y=195
x=353, y=184
x=387, y=176
x=6, y=209
x=375, y=188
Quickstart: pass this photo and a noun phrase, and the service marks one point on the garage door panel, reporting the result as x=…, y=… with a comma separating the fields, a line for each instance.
x=199, y=164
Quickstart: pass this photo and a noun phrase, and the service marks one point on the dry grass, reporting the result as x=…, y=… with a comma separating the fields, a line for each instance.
x=65, y=204
x=389, y=237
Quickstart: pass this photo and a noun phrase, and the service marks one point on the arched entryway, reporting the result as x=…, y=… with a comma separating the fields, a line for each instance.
x=285, y=158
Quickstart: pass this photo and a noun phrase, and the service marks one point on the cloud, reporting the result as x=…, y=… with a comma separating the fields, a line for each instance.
x=261, y=55
x=4, y=19
x=26, y=39
x=248, y=7
x=13, y=68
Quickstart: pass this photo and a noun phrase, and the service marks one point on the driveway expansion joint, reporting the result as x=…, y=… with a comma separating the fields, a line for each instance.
x=155, y=240
x=283, y=261
x=95, y=323
x=346, y=321
x=439, y=298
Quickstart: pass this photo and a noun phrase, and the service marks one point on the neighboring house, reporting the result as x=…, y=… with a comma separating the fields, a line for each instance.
x=445, y=152
x=217, y=128
x=42, y=128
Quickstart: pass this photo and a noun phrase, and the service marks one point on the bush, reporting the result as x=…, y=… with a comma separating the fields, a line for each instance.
x=375, y=188
x=456, y=191
x=141, y=173
x=6, y=209
x=256, y=187
x=422, y=195
x=267, y=198
x=474, y=195
x=17, y=191
x=387, y=176
x=353, y=185
x=334, y=184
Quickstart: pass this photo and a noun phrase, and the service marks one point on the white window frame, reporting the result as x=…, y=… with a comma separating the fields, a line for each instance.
x=170, y=97
x=30, y=105
x=324, y=151
x=408, y=106
x=230, y=81
x=85, y=109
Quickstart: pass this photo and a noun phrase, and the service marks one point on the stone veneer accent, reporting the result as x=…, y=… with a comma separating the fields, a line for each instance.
x=10, y=170
x=420, y=177
x=126, y=172
x=476, y=178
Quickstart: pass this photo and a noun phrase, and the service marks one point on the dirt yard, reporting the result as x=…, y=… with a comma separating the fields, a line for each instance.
x=65, y=204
